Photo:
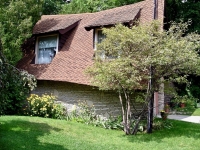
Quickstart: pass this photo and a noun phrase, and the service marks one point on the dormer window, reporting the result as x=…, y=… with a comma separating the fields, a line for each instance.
x=99, y=36
x=46, y=49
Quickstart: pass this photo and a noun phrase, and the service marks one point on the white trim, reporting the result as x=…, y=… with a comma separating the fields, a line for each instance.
x=102, y=56
x=96, y=38
x=36, y=46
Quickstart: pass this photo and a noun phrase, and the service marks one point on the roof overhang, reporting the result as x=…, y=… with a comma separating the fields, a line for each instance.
x=48, y=25
x=110, y=19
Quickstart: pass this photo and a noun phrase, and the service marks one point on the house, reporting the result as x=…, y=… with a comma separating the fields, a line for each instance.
x=62, y=47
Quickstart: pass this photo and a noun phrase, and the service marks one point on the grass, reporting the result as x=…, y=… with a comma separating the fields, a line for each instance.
x=34, y=133
x=196, y=112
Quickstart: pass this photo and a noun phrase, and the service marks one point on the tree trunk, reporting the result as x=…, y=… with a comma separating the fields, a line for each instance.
x=123, y=112
x=150, y=115
x=128, y=115
x=150, y=102
x=126, y=112
x=135, y=129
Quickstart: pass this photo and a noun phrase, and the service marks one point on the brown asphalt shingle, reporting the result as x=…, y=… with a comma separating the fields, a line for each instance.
x=108, y=17
x=54, y=23
x=77, y=52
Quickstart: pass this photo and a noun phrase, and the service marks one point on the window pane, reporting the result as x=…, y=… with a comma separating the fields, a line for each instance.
x=46, y=49
x=45, y=42
x=45, y=55
x=100, y=36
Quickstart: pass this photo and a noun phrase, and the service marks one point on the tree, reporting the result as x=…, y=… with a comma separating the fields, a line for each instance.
x=17, y=18
x=79, y=6
x=177, y=10
x=134, y=55
x=15, y=85
x=52, y=7
x=16, y=22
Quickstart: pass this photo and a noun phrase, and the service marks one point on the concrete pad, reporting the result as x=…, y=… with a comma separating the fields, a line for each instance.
x=194, y=119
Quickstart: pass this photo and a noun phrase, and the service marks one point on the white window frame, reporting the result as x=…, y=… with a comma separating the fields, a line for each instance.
x=96, y=41
x=96, y=37
x=37, y=49
x=102, y=56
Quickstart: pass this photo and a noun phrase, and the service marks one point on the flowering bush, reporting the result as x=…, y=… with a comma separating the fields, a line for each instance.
x=45, y=106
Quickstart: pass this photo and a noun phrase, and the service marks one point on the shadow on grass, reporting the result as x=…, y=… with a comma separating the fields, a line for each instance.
x=20, y=134
x=179, y=129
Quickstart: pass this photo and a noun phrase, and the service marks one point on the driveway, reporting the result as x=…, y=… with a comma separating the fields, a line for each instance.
x=194, y=119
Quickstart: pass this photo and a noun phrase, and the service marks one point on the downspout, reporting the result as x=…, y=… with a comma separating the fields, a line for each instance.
x=151, y=80
x=155, y=10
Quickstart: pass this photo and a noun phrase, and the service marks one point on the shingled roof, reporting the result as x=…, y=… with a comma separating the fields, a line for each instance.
x=111, y=17
x=49, y=24
x=70, y=62
x=77, y=51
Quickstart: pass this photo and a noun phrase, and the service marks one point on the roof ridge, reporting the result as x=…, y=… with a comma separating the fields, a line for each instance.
x=66, y=15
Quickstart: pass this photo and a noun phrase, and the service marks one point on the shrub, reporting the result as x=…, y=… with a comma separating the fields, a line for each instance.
x=83, y=113
x=112, y=123
x=189, y=101
x=162, y=124
x=15, y=86
x=86, y=114
x=45, y=106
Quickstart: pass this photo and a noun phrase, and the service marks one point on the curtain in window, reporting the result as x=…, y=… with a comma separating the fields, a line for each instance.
x=47, y=48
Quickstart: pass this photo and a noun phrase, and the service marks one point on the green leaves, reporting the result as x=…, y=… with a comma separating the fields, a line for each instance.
x=15, y=86
x=177, y=10
x=44, y=106
x=16, y=22
x=80, y=6
x=15, y=27
x=171, y=53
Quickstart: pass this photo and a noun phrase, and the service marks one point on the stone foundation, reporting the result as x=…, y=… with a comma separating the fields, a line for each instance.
x=105, y=102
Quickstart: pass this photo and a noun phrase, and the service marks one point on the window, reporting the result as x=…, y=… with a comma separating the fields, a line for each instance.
x=99, y=36
x=46, y=49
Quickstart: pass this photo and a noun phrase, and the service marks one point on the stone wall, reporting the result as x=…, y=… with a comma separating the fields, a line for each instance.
x=105, y=102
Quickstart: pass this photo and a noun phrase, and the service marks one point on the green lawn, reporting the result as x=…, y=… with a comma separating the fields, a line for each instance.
x=196, y=112
x=34, y=133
